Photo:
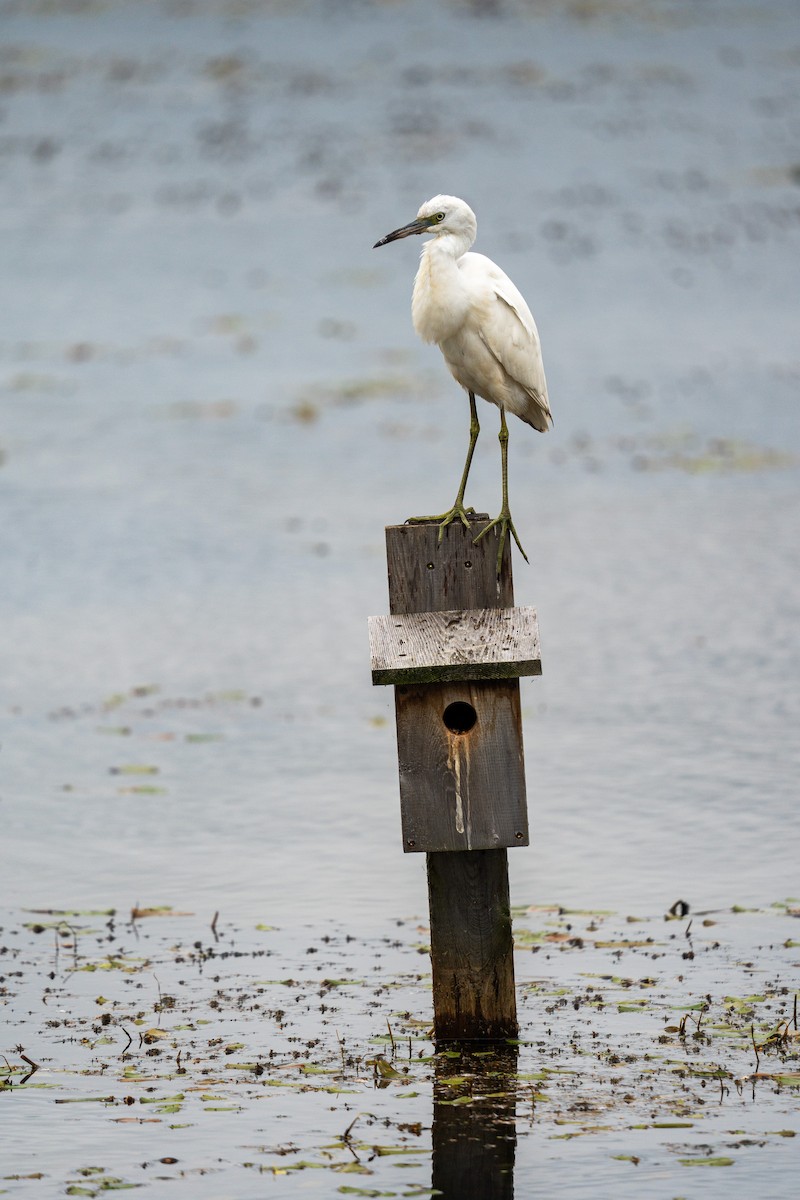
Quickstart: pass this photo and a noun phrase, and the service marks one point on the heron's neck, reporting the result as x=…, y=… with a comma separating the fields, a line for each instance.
x=448, y=245
x=439, y=302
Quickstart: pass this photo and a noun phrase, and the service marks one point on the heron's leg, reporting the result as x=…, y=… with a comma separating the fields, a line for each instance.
x=458, y=509
x=504, y=518
x=474, y=430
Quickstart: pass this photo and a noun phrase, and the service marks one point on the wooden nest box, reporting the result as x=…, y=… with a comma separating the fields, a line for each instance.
x=454, y=647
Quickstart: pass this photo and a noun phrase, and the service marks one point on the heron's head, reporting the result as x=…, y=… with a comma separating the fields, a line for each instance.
x=440, y=216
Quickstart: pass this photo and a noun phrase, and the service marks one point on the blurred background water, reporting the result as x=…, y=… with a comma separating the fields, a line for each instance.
x=213, y=401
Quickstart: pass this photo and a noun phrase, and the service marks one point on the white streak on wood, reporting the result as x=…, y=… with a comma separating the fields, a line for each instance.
x=455, y=767
x=458, y=764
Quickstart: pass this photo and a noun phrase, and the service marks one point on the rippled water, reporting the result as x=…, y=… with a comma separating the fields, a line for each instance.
x=213, y=402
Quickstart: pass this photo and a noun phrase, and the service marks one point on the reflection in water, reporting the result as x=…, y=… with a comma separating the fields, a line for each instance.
x=474, y=1132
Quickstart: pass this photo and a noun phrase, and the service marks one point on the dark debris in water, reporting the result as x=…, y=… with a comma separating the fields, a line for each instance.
x=310, y=1050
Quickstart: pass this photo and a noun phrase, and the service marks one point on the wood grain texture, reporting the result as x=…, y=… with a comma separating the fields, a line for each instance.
x=471, y=945
x=426, y=575
x=461, y=791
x=455, y=645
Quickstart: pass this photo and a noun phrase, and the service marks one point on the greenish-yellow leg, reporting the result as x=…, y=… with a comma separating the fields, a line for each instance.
x=504, y=518
x=458, y=510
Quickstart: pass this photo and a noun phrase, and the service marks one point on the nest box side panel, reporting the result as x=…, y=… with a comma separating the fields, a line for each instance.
x=462, y=773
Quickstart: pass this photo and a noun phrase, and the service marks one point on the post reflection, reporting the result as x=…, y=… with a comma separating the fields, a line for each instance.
x=474, y=1132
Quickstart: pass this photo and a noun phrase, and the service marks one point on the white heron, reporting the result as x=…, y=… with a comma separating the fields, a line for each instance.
x=479, y=320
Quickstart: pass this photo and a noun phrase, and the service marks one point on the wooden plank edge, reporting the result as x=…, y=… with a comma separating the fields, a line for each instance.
x=457, y=672
x=418, y=848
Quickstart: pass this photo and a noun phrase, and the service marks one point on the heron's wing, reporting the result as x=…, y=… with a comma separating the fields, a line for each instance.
x=507, y=328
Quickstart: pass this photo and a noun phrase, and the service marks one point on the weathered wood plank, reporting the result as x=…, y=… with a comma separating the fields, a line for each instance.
x=461, y=790
x=426, y=575
x=441, y=647
x=471, y=946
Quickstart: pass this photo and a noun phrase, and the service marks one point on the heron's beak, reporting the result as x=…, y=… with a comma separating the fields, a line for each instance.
x=421, y=225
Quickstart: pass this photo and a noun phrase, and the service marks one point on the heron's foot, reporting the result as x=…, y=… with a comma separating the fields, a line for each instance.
x=504, y=522
x=457, y=512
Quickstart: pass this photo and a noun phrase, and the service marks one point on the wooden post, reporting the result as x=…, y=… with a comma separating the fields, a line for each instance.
x=472, y=950
x=460, y=749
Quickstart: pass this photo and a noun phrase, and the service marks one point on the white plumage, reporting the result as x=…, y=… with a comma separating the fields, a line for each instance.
x=479, y=320
x=470, y=308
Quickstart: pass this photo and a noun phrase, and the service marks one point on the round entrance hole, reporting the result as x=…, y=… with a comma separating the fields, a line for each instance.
x=459, y=717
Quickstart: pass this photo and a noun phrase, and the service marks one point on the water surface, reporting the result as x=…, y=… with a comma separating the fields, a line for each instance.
x=213, y=402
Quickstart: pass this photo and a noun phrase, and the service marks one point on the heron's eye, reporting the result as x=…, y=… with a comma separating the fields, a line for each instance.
x=439, y=217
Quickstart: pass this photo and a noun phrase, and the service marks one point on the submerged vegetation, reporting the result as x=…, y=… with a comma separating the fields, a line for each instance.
x=222, y=1048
